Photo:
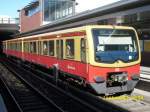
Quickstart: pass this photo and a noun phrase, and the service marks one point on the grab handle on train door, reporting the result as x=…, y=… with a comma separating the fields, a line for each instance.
x=56, y=72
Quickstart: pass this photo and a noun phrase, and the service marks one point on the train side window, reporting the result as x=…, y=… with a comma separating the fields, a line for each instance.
x=25, y=46
x=28, y=46
x=33, y=47
x=39, y=47
x=3, y=46
x=70, y=48
x=45, y=48
x=61, y=48
x=51, y=48
x=12, y=46
x=20, y=46
x=83, y=50
x=17, y=46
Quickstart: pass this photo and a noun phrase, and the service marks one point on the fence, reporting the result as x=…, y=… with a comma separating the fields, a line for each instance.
x=9, y=20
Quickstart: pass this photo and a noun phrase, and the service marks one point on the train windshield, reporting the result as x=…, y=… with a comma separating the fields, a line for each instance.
x=112, y=45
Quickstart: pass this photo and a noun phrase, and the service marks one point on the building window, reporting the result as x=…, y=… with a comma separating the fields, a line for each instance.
x=56, y=9
x=70, y=48
x=29, y=11
x=51, y=48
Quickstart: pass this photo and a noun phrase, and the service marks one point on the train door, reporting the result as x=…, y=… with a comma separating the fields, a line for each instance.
x=59, y=50
x=22, y=49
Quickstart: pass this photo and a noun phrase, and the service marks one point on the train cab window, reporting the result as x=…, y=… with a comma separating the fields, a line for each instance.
x=70, y=48
x=83, y=50
x=45, y=48
x=51, y=48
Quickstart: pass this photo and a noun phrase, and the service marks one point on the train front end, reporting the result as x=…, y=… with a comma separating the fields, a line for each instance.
x=114, y=59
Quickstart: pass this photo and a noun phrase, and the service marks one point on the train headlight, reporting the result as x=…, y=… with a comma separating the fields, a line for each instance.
x=99, y=79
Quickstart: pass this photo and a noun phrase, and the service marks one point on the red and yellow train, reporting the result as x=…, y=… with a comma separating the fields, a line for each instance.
x=103, y=57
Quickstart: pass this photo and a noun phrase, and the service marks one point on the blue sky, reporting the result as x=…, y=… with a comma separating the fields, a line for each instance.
x=10, y=7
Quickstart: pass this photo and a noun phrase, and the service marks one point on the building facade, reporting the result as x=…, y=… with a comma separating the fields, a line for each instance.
x=41, y=12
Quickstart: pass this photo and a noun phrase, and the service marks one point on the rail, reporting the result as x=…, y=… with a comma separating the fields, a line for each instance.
x=72, y=99
x=26, y=97
x=65, y=95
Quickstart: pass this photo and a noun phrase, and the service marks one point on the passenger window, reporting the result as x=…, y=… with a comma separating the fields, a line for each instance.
x=61, y=49
x=45, y=48
x=17, y=46
x=33, y=47
x=83, y=50
x=25, y=47
x=39, y=47
x=70, y=48
x=20, y=46
x=51, y=48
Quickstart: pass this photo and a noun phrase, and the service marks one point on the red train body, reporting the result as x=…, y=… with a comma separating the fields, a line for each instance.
x=102, y=74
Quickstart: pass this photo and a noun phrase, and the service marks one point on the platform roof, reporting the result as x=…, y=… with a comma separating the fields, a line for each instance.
x=91, y=16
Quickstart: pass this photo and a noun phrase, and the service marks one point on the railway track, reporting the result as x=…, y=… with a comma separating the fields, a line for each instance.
x=78, y=99
x=25, y=97
x=58, y=98
x=66, y=97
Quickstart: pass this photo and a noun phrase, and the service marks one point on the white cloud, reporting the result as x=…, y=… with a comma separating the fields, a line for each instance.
x=91, y=4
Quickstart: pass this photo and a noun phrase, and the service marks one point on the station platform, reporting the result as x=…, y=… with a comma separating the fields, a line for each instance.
x=146, y=69
x=2, y=105
x=145, y=72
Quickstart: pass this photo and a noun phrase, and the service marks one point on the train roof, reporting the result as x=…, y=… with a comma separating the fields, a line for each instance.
x=71, y=30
